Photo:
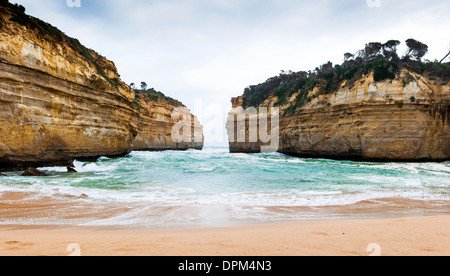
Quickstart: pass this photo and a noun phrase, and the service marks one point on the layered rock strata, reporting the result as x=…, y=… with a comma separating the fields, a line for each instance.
x=166, y=126
x=378, y=121
x=60, y=101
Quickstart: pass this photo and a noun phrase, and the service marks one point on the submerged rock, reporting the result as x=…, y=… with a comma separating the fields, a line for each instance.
x=71, y=169
x=33, y=172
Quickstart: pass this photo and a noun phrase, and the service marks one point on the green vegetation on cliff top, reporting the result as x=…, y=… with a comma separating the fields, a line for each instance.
x=53, y=34
x=381, y=59
x=154, y=95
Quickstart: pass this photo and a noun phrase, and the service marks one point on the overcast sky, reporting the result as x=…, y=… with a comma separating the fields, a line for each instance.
x=203, y=52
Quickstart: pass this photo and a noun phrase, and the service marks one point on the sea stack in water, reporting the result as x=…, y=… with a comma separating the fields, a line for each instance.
x=60, y=101
x=375, y=107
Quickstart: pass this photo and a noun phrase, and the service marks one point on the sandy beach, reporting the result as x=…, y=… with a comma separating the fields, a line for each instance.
x=416, y=236
x=403, y=234
x=224, y=129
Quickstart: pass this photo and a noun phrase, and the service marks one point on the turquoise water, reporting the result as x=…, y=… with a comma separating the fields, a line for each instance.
x=214, y=187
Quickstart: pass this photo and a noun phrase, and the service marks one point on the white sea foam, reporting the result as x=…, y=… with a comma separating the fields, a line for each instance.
x=241, y=155
x=93, y=167
x=215, y=186
x=53, y=169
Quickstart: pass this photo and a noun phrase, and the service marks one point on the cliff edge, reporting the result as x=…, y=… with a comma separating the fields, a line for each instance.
x=375, y=107
x=165, y=124
x=60, y=101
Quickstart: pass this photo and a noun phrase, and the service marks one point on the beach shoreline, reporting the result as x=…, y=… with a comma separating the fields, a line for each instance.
x=410, y=236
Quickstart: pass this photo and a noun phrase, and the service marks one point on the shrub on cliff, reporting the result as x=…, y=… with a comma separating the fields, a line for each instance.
x=20, y=16
x=382, y=70
x=283, y=86
x=380, y=59
x=54, y=35
x=154, y=95
x=438, y=70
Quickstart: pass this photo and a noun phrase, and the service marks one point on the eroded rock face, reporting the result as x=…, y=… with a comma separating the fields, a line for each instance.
x=58, y=102
x=389, y=120
x=165, y=126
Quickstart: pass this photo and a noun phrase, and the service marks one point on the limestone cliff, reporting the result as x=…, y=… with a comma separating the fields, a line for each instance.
x=60, y=101
x=161, y=121
x=402, y=118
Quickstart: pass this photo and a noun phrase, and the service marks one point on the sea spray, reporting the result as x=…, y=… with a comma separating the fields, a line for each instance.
x=214, y=187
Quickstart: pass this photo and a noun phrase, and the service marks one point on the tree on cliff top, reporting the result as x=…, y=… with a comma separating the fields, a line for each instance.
x=416, y=49
x=348, y=56
x=372, y=50
x=390, y=49
x=446, y=56
x=17, y=7
x=380, y=59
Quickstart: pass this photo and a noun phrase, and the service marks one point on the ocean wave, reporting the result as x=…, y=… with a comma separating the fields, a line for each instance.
x=199, y=184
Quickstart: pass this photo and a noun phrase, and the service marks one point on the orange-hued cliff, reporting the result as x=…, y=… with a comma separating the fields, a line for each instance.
x=159, y=119
x=406, y=118
x=60, y=101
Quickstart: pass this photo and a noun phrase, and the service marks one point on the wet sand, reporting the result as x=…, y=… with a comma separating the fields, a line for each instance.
x=418, y=236
x=422, y=230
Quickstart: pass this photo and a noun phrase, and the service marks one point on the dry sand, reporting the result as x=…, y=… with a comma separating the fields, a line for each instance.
x=417, y=236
